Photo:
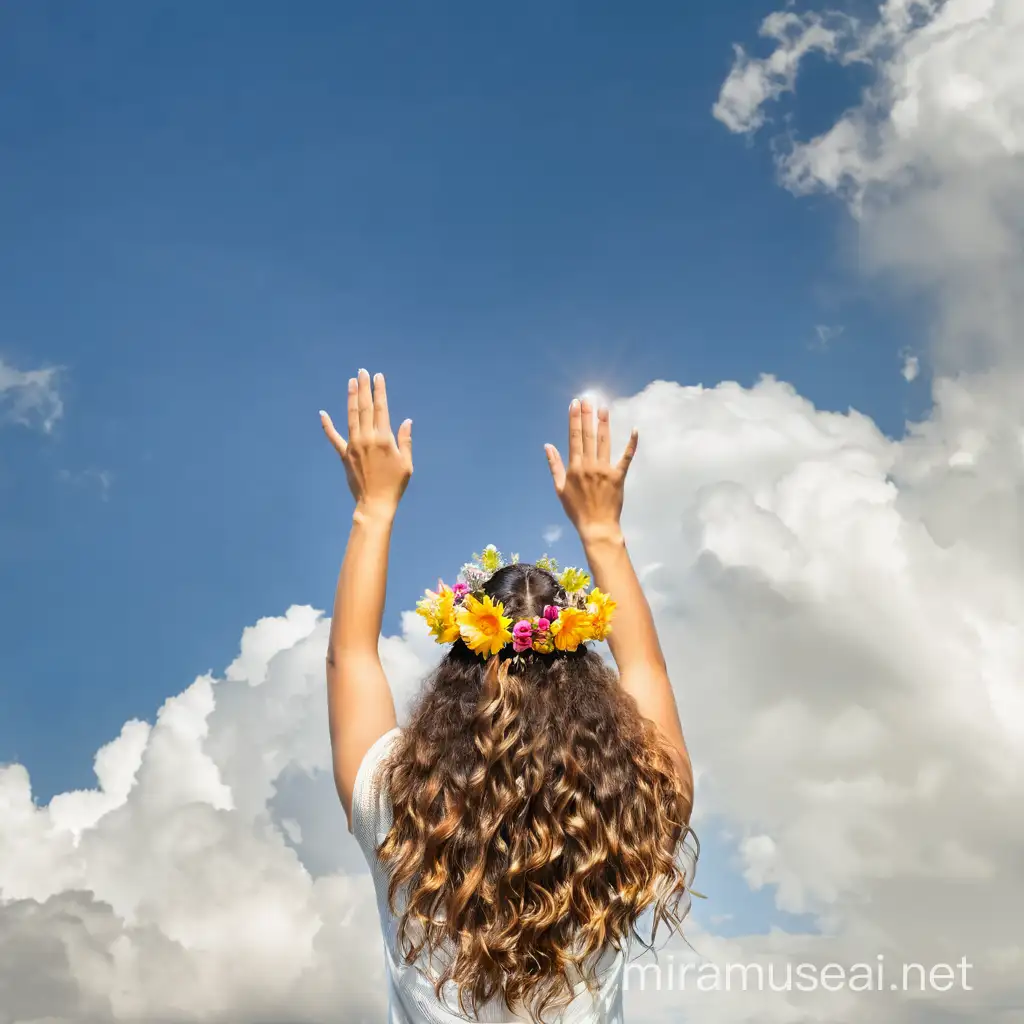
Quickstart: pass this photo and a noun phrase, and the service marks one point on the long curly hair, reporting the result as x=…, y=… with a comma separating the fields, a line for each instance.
x=536, y=816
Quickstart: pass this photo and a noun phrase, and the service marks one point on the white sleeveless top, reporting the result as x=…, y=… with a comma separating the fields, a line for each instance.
x=411, y=998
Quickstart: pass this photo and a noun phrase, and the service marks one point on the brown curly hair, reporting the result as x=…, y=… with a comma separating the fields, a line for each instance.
x=537, y=815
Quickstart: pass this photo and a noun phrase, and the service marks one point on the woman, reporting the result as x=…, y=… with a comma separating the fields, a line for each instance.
x=538, y=802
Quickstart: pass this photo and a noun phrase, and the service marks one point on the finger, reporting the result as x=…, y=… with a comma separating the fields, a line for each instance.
x=353, y=409
x=627, y=455
x=332, y=434
x=575, y=433
x=405, y=439
x=381, y=416
x=604, y=436
x=365, y=404
x=589, y=438
x=556, y=466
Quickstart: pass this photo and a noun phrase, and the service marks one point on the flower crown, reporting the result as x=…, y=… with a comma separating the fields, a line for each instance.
x=465, y=612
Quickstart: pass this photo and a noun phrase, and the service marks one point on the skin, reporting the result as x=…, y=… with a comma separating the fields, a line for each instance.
x=591, y=488
x=378, y=467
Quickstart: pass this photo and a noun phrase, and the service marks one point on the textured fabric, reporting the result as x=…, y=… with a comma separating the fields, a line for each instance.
x=411, y=998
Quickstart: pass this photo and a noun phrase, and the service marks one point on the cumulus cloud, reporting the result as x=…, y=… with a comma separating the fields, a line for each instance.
x=209, y=875
x=849, y=659
x=929, y=160
x=841, y=614
x=30, y=397
x=850, y=680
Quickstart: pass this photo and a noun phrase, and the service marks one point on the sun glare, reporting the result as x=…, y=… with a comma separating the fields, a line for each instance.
x=598, y=396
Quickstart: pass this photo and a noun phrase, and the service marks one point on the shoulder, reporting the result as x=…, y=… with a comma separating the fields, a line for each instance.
x=371, y=808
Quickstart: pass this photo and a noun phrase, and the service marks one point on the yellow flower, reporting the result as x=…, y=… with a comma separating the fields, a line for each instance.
x=438, y=609
x=574, y=580
x=483, y=625
x=491, y=560
x=571, y=628
x=601, y=608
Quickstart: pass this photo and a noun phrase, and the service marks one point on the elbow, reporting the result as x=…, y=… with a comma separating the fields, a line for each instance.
x=356, y=656
x=684, y=779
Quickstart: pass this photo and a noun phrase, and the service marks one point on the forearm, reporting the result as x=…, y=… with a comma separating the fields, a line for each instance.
x=359, y=702
x=634, y=639
x=362, y=585
x=635, y=646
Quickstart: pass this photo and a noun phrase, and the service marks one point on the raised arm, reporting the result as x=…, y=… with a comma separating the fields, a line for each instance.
x=378, y=467
x=591, y=489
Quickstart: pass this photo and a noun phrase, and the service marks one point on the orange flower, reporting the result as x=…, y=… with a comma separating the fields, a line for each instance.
x=601, y=608
x=572, y=627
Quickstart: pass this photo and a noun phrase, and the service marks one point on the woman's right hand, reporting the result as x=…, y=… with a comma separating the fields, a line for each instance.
x=591, y=488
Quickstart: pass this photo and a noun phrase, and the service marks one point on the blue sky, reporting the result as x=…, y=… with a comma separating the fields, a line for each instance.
x=214, y=214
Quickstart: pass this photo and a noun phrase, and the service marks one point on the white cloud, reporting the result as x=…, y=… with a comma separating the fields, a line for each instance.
x=825, y=334
x=929, y=160
x=30, y=397
x=552, y=534
x=752, y=82
x=911, y=367
x=180, y=888
x=101, y=479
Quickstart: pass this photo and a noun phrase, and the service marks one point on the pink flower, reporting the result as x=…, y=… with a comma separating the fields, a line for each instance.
x=522, y=635
x=460, y=590
x=543, y=625
x=551, y=613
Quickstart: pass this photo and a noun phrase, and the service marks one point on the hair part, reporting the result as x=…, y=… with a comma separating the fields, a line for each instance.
x=536, y=816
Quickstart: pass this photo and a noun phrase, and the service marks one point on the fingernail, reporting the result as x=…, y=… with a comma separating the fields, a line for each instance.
x=352, y=384
x=363, y=372
x=322, y=413
x=378, y=377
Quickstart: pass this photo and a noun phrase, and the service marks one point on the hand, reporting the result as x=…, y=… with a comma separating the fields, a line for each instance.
x=591, y=489
x=377, y=464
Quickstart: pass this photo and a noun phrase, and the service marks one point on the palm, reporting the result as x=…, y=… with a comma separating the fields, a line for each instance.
x=591, y=488
x=378, y=465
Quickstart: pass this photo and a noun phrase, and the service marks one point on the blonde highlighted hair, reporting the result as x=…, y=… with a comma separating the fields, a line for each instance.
x=536, y=816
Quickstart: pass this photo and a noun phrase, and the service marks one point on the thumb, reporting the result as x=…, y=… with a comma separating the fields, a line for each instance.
x=332, y=434
x=556, y=466
x=627, y=455
x=405, y=439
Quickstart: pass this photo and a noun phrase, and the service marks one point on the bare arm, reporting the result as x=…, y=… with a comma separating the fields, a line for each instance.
x=359, y=703
x=591, y=490
x=378, y=467
x=634, y=644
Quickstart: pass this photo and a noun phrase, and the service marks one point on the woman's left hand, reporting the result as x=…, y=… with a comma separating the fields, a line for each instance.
x=377, y=464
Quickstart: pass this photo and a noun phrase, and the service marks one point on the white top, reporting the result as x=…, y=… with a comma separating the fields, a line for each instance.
x=411, y=998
